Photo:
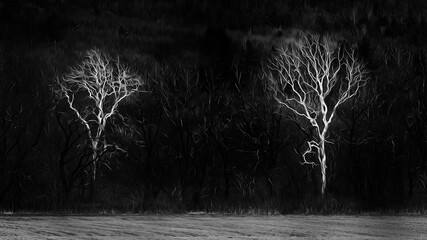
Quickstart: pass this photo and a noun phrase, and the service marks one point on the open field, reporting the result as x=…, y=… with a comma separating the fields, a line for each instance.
x=212, y=227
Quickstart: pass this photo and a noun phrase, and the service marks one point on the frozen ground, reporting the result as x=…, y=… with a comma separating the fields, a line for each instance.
x=212, y=227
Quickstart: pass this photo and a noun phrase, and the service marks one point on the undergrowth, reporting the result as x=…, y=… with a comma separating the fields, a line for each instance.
x=313, y=206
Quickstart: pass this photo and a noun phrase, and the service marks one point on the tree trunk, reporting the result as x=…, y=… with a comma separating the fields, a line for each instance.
x=322, y=156
x=411, y=179
x=225, y=172
x=93, y=178
x=92, y=184
x=64, y=186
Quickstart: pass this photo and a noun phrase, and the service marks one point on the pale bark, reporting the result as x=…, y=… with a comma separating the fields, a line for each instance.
x=307, y=78
x=99, y=84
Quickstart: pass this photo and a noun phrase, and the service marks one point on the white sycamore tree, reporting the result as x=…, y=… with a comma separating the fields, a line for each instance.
x=93, y=90
x=313, y=77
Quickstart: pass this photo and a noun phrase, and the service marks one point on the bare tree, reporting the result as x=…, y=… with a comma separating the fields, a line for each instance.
x=93, y=91
x=23, y=108
x=312, y=78
x=70, y=156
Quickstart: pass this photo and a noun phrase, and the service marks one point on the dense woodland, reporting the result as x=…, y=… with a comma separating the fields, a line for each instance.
x=205, y=132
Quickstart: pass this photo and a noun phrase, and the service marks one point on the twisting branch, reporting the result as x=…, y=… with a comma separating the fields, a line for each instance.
x=312, y=78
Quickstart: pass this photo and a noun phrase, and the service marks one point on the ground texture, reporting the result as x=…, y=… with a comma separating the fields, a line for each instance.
x=212, y=227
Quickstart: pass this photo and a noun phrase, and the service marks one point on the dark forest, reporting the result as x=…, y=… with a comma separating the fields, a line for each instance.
x=216, y=106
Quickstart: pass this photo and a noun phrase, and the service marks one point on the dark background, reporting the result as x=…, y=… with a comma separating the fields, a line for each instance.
x=219, y=142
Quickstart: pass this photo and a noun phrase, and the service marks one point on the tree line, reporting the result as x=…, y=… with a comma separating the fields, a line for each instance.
x=208, y=136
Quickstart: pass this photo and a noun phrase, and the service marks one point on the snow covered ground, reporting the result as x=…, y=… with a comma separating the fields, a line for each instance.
x=195, y=226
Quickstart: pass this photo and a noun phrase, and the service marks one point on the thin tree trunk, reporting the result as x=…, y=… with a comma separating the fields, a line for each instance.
x=226, y=176
x=64, y=193
x=93, y=178
x=411, y=178
x=93, y=183
x=322, y=156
